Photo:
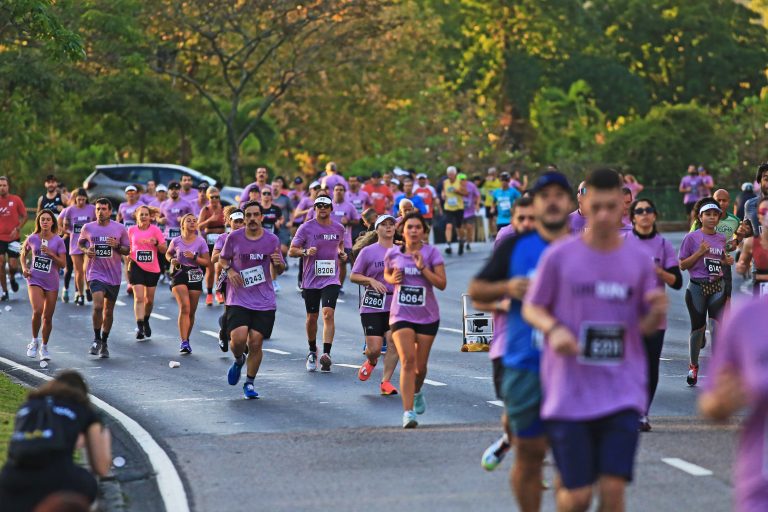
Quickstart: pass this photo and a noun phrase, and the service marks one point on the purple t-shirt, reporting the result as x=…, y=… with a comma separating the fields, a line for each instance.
x=44, y=272
x=330, y=181
x=305, y=203
x=708, y=266
x=322, y=269
x=345, y=209
x=360, y=200
x=246, y=193
x=747, y=354
x=218, y=245
x=126, y=211
x=179, y=246
x=252, y=259
x=197, y=207
x=370, y=263
x=173, y=211
x=498, y=341
x=695, y=183
x=577, y=221
x=414, y=299
x=106, y=265
x=77, y=218
x=599, y=297
x=189, y=196
x=156, y=203
x=146, y=199
x=470, y=200
x=662, y=254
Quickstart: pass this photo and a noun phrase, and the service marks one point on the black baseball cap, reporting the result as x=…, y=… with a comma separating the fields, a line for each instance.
x=551, y=178
x=298, y=180
x=174, y=185
x=203, y=185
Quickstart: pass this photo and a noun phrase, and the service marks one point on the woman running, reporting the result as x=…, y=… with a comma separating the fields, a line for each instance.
x=188, y=255
x=368, y=271
x=147, y=244
x=272, y=222
x=48, y=254
x=703, y=255
x=235, y=220
x=642, y=214
x=66, y=236
x=211, y=225
x=415, y=268
x=756, y=249
x=74, y=217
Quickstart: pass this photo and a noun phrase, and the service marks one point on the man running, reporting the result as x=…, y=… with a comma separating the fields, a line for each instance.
x=507, y=274
x=577, y=219
x=345, y=214
x=503, y=199
x=261, y=176
x=454, y=191
x=332, y=178
x=408, y=193
x=361, y=201
x=380, y=194
x=320, y=242
x=247, y=256
x=729, y=227
x=13, y=216
x=104, y=242
x=596, y=298
x=690, y=186
x=188, y=193
x=428, y=195
x=471, y=207
x=52, y=199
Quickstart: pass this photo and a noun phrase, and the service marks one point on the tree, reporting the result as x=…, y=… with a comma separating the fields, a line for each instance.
x=34, y=23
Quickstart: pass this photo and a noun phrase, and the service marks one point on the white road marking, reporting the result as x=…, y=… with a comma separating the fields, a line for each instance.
x=162, y=317
x=276, y=351
x=481, y=378
x=168, y=481
x=345, y=365
x=343, y=302
x=211, y=333
x=434, y=382
x=691, y=469
x=496, y=402
x=664, y=359
x=451, y=329
x=120, y=303
x=178, y=400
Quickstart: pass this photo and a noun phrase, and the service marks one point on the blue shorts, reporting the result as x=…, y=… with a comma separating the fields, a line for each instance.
x=521, y=391
x=584, y=450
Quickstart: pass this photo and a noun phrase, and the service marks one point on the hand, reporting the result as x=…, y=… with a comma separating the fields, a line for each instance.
x=175, y=263
x=658, y=302
x=728, y=259
x=342, y=255
x=517, y=287
x=311, y=251
x=398, y=275
x=112, y=242
x=731, y=245
x=234, y=277
x=377, y=286
x=659, y=271
x=188, y=254
x=26, y=273
x=418, y=259
x=741, y=268
x=90, y=252
x=563, y=342
x=503, y=305
x=729, y=388
x=45, y=250
x=703, y=248
x=276, y=258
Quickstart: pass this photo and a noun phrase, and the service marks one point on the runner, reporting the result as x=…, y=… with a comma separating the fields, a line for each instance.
x=211, y=223
x=149, y=196
x=320, y=242
x=104, y=242
x=52, y=199
x=126, y=215
x=503, y=199
x=593, y=313
x=261, y=176
x=202, y=198
x=577, y=219
x=281, y=199
x=380, y=194
x=73, y=218
x=409, y=193
x=756, y=249
x=147, y=246
x=235, y=220
x=161, y=196
x=703, y=255
x=454, y=190
x=729, y=227
x=368, y=271
x=737, y=383
x=750, y=207
x=188, y=193
x=491, y=184
x=271, y=220
x=248, y=255
x=428, y=195
x=69, y=269
x=626, y=224
x=643, y=216
x=345, y=214
x=332, y=178
x=13, y=216
x=360, y=200
x=471, y=208
x=506, y=277
x=689, y=186
x=415, y=269
x=48, y=254
x=188, y=255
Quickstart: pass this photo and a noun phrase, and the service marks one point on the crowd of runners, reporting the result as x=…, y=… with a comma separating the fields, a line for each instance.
x=576, y=289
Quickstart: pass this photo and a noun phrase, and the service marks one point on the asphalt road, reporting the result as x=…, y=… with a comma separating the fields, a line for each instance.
x=327, y=441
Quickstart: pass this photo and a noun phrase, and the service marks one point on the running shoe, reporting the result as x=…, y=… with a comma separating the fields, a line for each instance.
x=693, y=374
x=325, y=363
x=276, y=286
x=147, y=330
x=645, y=425
x=88, y=296
x=209, y=299
x=65, y=296
x=79, y=300
x=248, y=392
x=419, y=404
x=223, y=345
x=219, y=298
x=409, y=419
x=341, y=291
x=139, y=334
x=14, y=285
x=104, y=351
x=468, y=247
x=5, y=297
x=387, y=388
x=495, y=453
x=312, y=362
x=461, y=247
x=95, y=347
x=448, y=250
x=32, y=349
x=44, y=355
x=185, y=347
x=233, y=375
x=365, y=370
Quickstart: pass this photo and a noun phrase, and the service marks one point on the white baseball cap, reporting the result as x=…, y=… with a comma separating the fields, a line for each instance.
x=323, y=200
x=161, y=188
x=314, y=184
x=451, y=168
x=131, y=187
x=421, y=175
x=236, y=215
x=382, y=218
x=395, y=181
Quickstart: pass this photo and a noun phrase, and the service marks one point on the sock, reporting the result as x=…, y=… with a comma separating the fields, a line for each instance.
x=210, y=291
x=97, y=334
x=327, y=348
x=312, y=345
x=240, y=360
x=249, y=379
x=140, y=324
x=104, y=336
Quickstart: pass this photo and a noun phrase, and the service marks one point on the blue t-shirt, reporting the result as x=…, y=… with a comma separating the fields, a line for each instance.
x=503, y=199
x=417, y=201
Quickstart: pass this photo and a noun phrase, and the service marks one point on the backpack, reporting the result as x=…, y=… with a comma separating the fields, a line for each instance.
x=39, y=431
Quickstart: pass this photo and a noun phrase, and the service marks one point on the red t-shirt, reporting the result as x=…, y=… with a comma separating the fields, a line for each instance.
x=379, y=195
x=12, y=209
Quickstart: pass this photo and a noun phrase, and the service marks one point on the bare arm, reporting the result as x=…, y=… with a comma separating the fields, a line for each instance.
x=98, y=442
x=436, y=277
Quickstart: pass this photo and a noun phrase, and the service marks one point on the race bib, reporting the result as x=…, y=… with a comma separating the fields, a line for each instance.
x=505, y=205
x=374, y=300
x=145, y=256
x=358, y=206
x=42, y=264
x=714, y=267
x=102, y=251
x=252, y=276
x=411, y=295
x=129, y=223
x=211, y=238
x=174, y=232
x=452, y=201
x=194, y=275
x=325, y=268
x=763, y=289
x=77, y=228
x=602, y=344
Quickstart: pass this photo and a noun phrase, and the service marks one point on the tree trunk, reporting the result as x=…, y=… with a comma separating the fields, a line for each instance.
x=234, y=158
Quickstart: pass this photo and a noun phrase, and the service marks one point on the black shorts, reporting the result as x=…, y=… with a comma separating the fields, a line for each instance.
x=314, y=296
x=139, y=276
x=110, y=291
x=425, y=329
x=455, y=217
x=375, y=324
x=181, y=277
x=5, y=249
x=489, y=214
x=689, y=207
x=259, y=321
x=498, y=376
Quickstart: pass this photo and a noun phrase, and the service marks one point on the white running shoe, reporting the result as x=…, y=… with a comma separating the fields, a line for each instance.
x=276, y=286
x=44, y=355
x=32, y=349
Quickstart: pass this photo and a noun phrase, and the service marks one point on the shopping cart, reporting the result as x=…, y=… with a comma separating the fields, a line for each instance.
x=477, y=327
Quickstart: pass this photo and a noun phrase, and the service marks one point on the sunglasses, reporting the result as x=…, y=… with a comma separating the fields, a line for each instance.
x=266, y=193
x=644, y=211
x=214, y=197
x=322, y=205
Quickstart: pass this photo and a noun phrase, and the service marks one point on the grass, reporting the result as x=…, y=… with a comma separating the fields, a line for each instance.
x=11, y=397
